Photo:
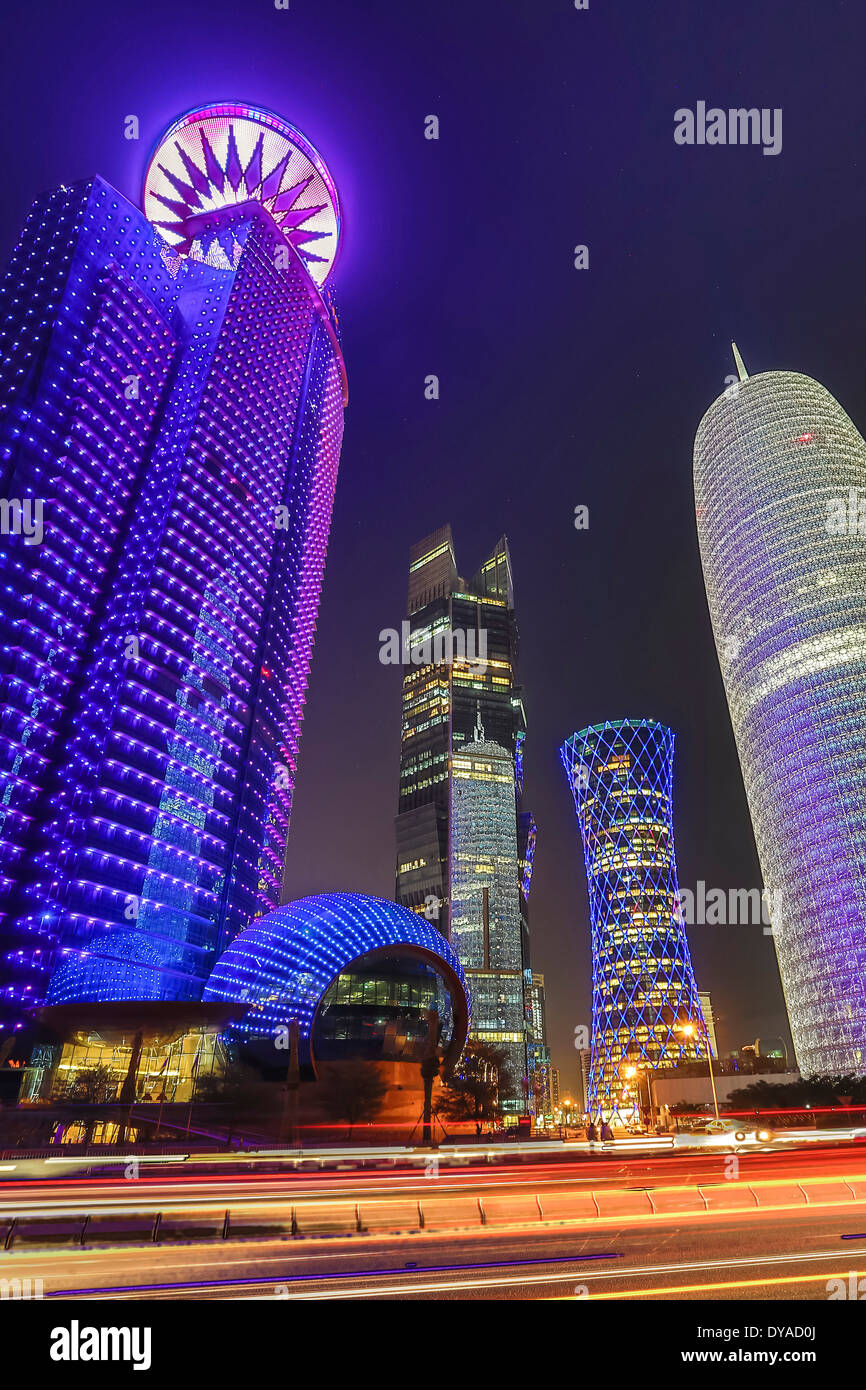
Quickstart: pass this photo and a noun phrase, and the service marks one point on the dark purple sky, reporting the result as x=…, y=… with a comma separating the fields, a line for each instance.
x=558, y=387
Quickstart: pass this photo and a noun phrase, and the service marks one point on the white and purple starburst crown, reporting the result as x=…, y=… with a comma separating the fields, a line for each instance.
x=229, y=154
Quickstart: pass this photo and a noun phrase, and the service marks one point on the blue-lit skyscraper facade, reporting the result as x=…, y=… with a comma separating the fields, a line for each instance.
x=172, y=414
x=780, y=473
x=646, y=1014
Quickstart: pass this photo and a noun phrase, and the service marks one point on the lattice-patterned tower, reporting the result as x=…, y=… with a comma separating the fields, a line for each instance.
x=780, y=473
x=643, y=987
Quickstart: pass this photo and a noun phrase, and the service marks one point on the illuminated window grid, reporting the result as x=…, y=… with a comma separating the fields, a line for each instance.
x=643, y=983
x=787, y=600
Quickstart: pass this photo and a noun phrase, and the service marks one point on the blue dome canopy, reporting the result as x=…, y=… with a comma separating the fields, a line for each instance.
x=282, y=964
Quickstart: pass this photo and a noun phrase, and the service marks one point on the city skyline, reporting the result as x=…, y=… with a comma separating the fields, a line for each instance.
x=679, y=299
x=375, y=412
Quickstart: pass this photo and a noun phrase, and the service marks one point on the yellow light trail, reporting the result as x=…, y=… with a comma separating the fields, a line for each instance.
x=704, y=1288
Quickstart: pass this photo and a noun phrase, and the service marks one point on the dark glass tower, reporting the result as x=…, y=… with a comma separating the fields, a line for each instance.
x=442, y=701
x=464, y=842
x=172, y=408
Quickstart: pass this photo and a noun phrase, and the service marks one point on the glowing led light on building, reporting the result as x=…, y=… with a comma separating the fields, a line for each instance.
x=787, y=600
x=279, y=969
x=226, y=156
x=156, y=645
x=643, y=986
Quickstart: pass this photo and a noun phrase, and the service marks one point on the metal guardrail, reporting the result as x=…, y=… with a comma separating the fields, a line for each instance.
x=489, y=1152
x=103, y=1151
x=152, y=1226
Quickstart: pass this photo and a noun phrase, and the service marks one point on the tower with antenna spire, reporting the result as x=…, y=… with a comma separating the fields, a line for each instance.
x=778, y=472
x=739, y=364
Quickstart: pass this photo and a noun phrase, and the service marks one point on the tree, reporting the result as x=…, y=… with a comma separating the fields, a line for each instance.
x=689, y=1107
x=351, y=1091
x=478, y=1087
x=794, y=1095
x=92, y=1086
x=247, y=1101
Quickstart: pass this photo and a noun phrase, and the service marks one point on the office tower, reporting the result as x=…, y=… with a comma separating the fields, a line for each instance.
x=535, y=1006
x=173, y=394
x=538, y=1051
x=779, y=476
x=585, y=1059
x=645, y=1009
x=484, y=897
x=463, y=726
x=709, y=1020
x=460, y=657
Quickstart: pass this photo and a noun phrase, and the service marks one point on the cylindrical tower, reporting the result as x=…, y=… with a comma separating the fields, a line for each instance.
x=779, y=471
x=646, y=1014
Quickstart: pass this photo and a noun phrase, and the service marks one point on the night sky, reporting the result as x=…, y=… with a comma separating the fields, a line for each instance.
x=559, y=387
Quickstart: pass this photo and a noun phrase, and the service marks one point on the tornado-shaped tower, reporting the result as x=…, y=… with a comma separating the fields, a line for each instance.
x=645, y=1009
x=779, y=476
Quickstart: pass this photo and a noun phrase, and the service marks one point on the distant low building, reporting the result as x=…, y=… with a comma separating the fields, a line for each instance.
x=670, y=1090
x=771, y=1047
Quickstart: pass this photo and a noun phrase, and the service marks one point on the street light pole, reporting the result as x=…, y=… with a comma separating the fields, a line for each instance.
x=688, y=1031
x=712, y=1078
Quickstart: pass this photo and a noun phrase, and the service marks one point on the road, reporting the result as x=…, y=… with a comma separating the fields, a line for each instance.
x=661, y=1228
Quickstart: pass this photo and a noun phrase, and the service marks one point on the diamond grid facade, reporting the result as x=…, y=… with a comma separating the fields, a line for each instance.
x=643, y=987
x=779, y=474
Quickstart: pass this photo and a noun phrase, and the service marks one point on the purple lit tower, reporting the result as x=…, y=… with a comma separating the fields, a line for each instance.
x=172, y=412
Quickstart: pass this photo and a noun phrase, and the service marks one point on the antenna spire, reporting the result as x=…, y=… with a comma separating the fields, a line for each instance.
x=740, y=364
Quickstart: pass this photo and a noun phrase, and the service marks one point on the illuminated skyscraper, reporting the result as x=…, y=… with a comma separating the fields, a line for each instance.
x=644, y=997
x=463, y=837
x=460, y=657
x=485, y=902
x=538, y=1051
x=709, y=1019
x=780, y=473
x=173, y=394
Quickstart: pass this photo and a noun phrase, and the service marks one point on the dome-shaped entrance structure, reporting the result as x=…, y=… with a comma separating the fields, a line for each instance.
x=283, y=965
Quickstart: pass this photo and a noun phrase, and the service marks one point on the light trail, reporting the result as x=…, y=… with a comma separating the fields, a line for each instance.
x=277, y=1203
x=216, y=1190
x=738, y=1284
x=503, y=1281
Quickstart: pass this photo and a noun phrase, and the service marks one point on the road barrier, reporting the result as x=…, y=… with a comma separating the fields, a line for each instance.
x=312, y=1218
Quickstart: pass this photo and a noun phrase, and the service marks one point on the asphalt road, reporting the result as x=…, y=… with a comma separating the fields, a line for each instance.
x=776, y=1257
x=804, y=1230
